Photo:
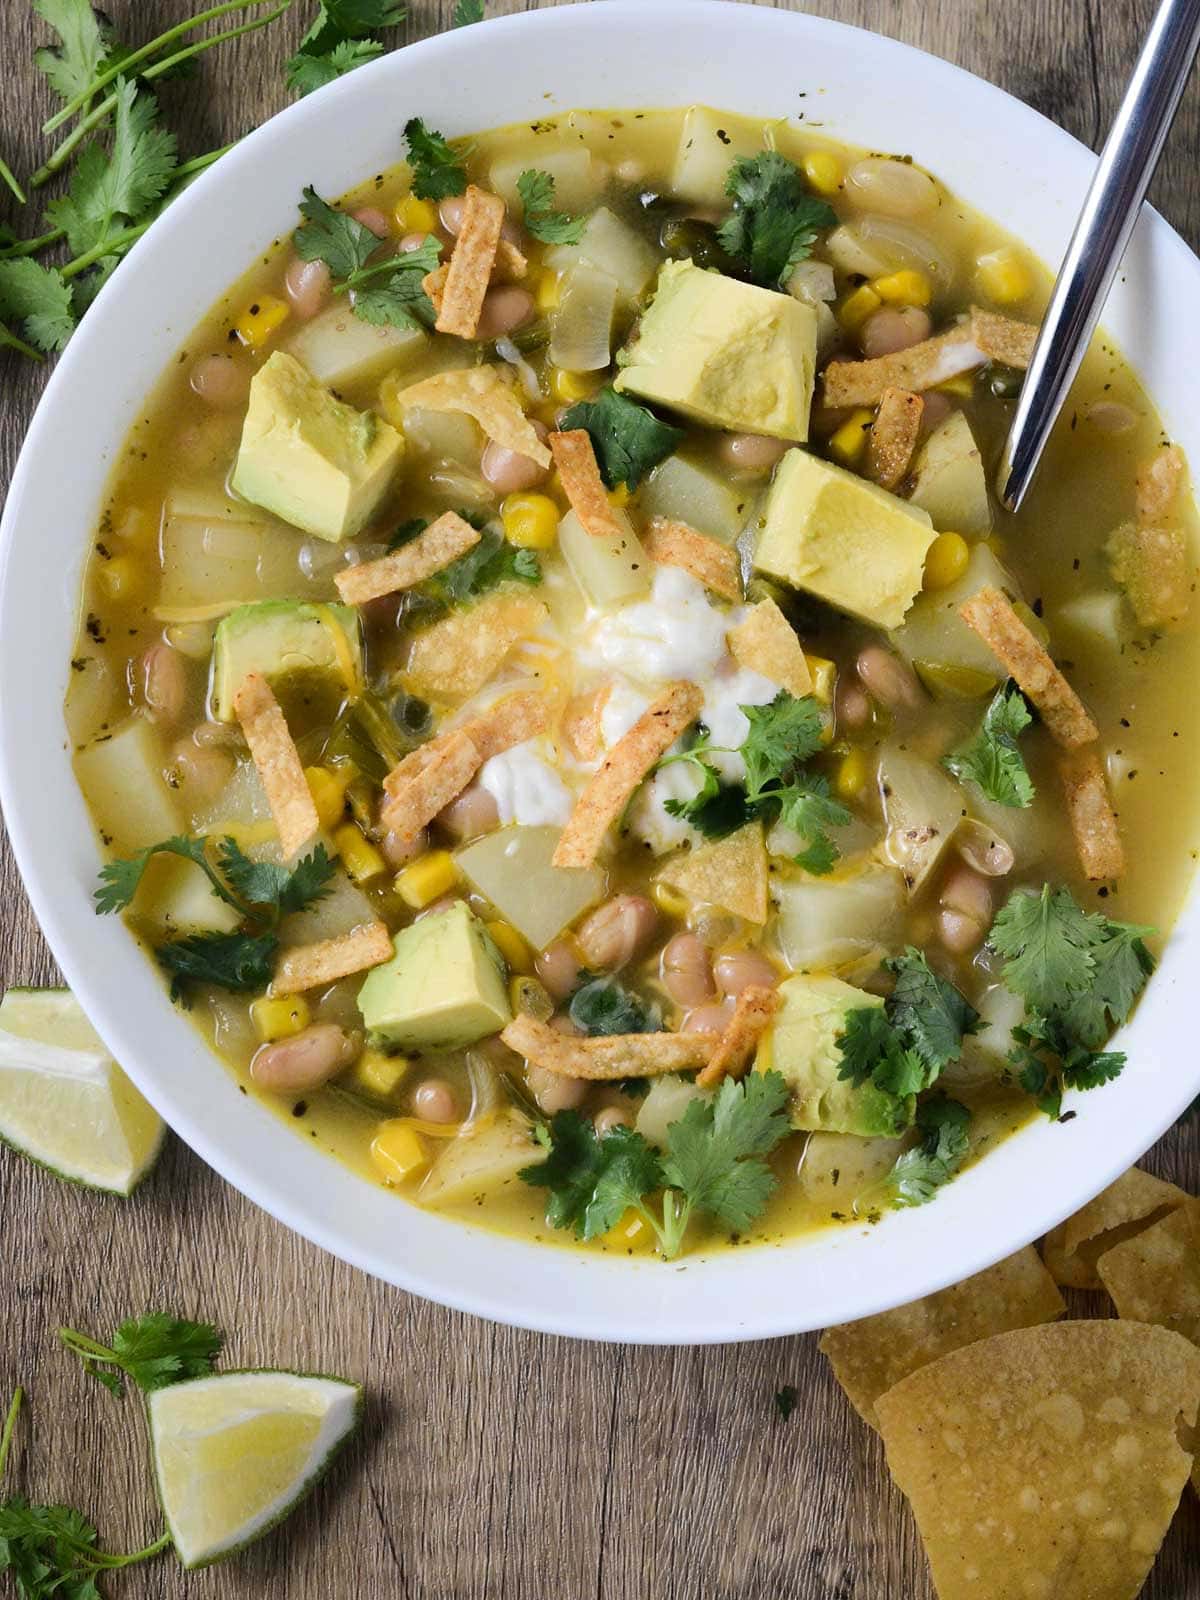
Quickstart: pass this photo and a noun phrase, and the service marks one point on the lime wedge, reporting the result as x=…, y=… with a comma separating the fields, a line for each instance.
x=233, y=1454
x=63, y=1099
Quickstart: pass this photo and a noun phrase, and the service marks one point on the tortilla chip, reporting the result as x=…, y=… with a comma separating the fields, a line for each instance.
x=442, y=542
x=870, y=1356
x=453, y=658
x=715, y=565
x=1151, y=564
x=893, y=436
x=730, y=873
x=766, y=643
x=992, y=617
x=584, y=488
x=1155, y=1276
x=486, y=394
x=1158, y=485
x=1092, y=818
x=310, y=966
x=581, y=728
x=1045, y=1463
x=1003, y=339
x=1133, y=1203
x=752, y=1013
x=509, y=266
x=471, y=263
x=278, y=763
x=602, y=1060
x=426, y=781
x=623, y=768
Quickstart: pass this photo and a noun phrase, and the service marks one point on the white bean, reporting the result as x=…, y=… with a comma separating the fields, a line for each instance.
x=894, y=328
x=305, y=1061
x=558, y=967
x=888, y=679
x=751, y=452
x=609, y=1118
x=220, y=381
x=687, y=972
x=505, y=309
x=164, y=683
x=743, y=969
x=308, y=285
x=434, y=1101
x=895, y=188
x=617, y=931
x=554, y=1092
x=473, y=812
x=708, y=1019
x=371, y=217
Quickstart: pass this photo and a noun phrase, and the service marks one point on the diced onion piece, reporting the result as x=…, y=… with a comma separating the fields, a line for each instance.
x=582, y=325
x=922, y=807
x=607, y=570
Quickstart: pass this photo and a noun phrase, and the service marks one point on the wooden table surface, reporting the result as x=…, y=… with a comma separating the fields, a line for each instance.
x=495, y=1463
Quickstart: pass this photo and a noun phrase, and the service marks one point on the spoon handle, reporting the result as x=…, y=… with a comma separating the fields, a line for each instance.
x=1105, y=224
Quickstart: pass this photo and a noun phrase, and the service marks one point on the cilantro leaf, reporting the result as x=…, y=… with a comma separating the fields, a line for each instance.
x=153, y=1350
x=716, y=810
x=388, y=291
x=592, y=1180
x=604, y=1006
x=628, y=439
x=1047, y=943
x=110, y=191
x=120, y=880
x=1122, y=966
x=306, y=72
x=437, y=171
x=240, y=962
x=714, y=1153
x=491, y=562
x=332, y=236
x=774, y=221
x=991, y=759
x=865, y=1040
x=84, y=40
x=407, y=532
x=785, y=1400
x=929, y=1012
x=339, y=40
x=466, y=12
x=782, y=734
x=807, y=808
x=919, y=1173
x=283, y=889
x=536, y=190
x=401, y=302
x=39, y=298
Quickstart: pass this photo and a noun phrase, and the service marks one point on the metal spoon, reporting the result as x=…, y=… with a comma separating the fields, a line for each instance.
x=1105, y=224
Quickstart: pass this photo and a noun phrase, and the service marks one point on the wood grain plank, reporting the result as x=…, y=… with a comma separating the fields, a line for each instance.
x=495, y=1465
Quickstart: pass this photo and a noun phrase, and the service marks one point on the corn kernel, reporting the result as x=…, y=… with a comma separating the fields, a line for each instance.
x=259, y=320
x=850, y=440
x=279, y=1019
x=963, y=387
x=1003, y=276
x=430, y=876
x=906, y=288
x=530, y=998
x=571, y=386
x=415, y=216
x=670, y=901
x=857, y=307
x=619, y=496
x=377, y=1075
x=398, y=1151
x=823, y=171
x=824, y=677
x=359, y=856
x=946, y=560
x=510, y=945
x=633, y=1232
x=328, y=787
x=546, y=291
x=852, y=775
x=119, y=578
x=530, y=521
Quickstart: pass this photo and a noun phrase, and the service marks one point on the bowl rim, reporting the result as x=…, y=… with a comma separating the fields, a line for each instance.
x=729, y=1296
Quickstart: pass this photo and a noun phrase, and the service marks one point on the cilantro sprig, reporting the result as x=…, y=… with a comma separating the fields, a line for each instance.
x=903, y=1046
x=485, y=566
x=466, y=12
x=1080, y=975
x=438, y=171
x=991, y=759
x=152, y=1351
x=605, y=1006
x=260, y=892
x=386, y=290
x=536, y=190
x=945, y=1143
x=774, y=221
x=714, y=1164
x=340, y=39
x=629, y=440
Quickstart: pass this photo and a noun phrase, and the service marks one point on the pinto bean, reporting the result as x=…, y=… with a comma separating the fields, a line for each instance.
x=888, y=679
x=308, y=285
x=398, y=852
x=371, y=217
x=959, y=933
x=508, y=471
x=892, y=188
x=968, y=892
x=553, y=1092
x=851, y=705
x=687, y=972
x=220, y=381
x=708, y=1019
x=894, y=328
x=505, y=309
x=202, y=771
x=609, y=1118
x=617, y=931
x=743, y=969
x=164, y=683
x=472, y=813
x=305, y=1061
x=752, y=452
x=435, y=1101
x=558, y=967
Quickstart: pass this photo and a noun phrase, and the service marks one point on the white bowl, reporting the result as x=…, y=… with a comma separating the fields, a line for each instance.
x=1003, y=158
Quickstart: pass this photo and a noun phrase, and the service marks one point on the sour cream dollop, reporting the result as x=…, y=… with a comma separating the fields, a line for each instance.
x=675, y=634
x=526, y=788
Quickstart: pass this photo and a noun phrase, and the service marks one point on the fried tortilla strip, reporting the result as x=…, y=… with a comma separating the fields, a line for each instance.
x=752, y=1013
x=471, y=263
x=582, y=730
x=455, y=656
x=1046, y=1463
x=1151, y=564
x=1158, y=485
x=992, y=617
x=982, y=337
x=626, y=764
x=442, y=542
x=870, y=1356
x=893, y=436
x=715, y=565
x=487, y=395
x=731, y=873
x=601, y=1060
x=1134, y=1202
x=309, y=966
x=576, y=462
x=278, y=763
x=446, y=770
x=507, y=723
x=1091, y=815
x=510, y=266
x=766, y=643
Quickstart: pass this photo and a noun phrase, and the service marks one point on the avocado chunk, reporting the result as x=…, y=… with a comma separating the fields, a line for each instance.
x=285, y=640
x=843, y=539
x=728, y=354
x=443, y=988
x=310, y=459
x=802, y=1045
